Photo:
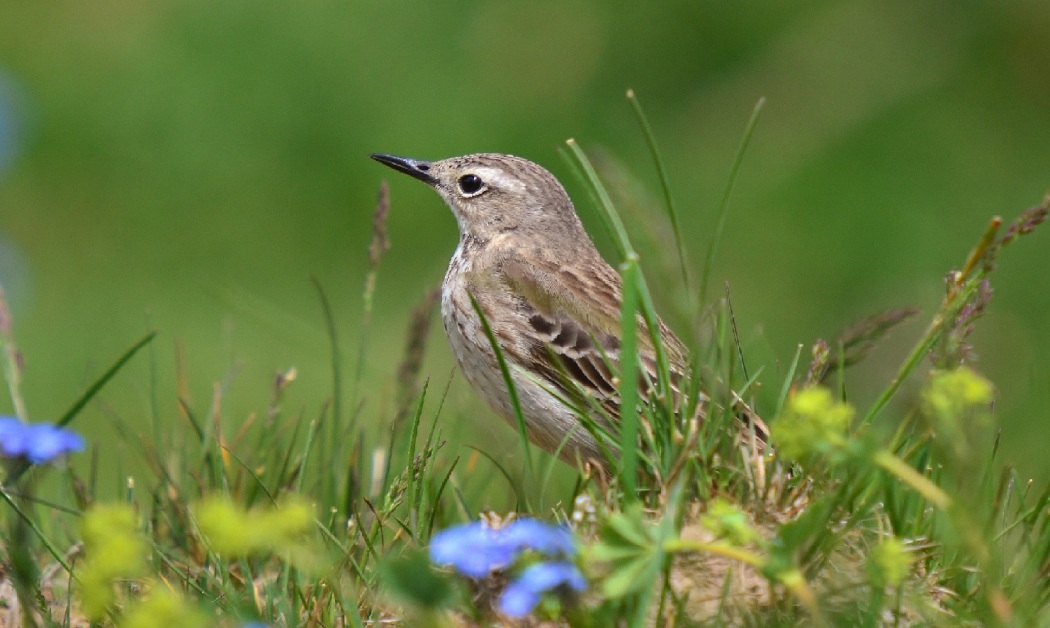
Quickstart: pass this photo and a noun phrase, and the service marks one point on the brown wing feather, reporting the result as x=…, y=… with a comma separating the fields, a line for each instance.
x=565, y=351
x=576, y=319
x=576, y=336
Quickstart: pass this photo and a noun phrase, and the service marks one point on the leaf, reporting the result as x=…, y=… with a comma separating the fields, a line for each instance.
x=632, y=554
x=627, y=577
x=411, y=579
x=630, y=527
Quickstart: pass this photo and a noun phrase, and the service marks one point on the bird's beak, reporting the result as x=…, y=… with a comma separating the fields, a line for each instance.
x=416, y=168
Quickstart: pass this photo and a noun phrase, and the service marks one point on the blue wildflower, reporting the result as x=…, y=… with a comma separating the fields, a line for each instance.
x=476, y=550
x=542, y=537
x=39, y=442
x=523, y=594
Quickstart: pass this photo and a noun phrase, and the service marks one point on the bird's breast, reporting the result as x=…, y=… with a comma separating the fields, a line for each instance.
x=463, y=327
x=467, y=277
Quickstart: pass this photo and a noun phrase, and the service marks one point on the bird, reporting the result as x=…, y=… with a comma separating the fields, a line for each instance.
x=526, y=269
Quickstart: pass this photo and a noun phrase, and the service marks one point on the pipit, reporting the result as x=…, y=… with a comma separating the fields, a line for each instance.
x=550, y=300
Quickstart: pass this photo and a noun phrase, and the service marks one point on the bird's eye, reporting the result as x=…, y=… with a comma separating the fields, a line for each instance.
x=470, y=184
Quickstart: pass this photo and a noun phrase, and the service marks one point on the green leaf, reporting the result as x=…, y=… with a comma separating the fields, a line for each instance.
x=630, y=527
x=632, y=554
x=628, y=577
x=411, y=579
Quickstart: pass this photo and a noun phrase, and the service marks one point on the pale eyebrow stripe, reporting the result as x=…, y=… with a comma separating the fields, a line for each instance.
x=498, y=178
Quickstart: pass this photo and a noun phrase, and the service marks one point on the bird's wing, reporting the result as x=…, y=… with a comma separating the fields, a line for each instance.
x=574, y=318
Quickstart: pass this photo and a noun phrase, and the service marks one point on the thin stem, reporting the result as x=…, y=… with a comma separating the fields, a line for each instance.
x=679, y=546
x=12, y=372
x=959, y=288
x=37, y=531
x=907, y=474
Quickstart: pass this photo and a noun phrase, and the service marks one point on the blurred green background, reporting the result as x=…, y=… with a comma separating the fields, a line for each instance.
x=188, y=166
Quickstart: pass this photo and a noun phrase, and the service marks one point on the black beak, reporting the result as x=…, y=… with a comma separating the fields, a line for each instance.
x=416, y=168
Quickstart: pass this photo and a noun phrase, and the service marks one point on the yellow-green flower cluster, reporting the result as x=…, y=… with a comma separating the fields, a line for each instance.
x=952, y=394
x=163, y=607
x=114, y=550
x=889, y=562
x=727, y=521
x=813, y=423
x=234, y=531
x=958, y=405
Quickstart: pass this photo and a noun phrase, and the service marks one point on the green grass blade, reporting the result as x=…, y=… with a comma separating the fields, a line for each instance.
x=723, y=210
x=337, y=372
x=515, y=402
x=437, y=496
x=94, y=388
x=933, y=335
x=35, y=529
x=788, y=381
x=414, y=492
x=665, y=187
x=629, y=376
x=520, y=501
x=612, y=218
x=20, y=468
x=311, y=436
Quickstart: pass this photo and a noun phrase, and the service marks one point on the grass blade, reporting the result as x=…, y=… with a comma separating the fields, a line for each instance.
x=629, y=376
x=94, y=388
x=723, y=210
x=512, y=390
x=665, y=187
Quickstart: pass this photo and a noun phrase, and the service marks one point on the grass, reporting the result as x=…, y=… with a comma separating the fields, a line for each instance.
x=895, y=514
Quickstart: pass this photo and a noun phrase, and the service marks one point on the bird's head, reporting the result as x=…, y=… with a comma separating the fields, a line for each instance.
x=490, y=194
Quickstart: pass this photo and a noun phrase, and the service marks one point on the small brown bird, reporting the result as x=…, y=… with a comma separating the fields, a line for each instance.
x=552, y=302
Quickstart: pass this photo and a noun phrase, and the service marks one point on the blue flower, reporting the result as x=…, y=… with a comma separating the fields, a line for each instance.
x=544, y=538
x=476, y=550
x=523, y=594
x=39, y=442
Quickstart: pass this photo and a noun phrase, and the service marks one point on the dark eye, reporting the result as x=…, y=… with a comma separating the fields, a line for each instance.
x=470, y=184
